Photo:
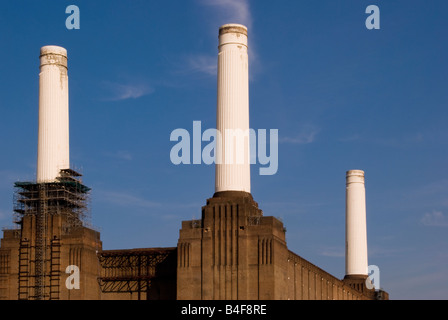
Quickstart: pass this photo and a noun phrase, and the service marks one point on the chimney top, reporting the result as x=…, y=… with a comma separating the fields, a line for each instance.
x=355, y=176
x=53, y=55
x=53, y=50
x=233, y=28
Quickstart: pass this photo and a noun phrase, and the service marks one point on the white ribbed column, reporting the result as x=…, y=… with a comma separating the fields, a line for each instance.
x=356, y=228
x=232, y=121
x=53, y=135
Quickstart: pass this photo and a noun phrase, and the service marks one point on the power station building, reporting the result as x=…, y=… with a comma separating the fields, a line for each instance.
x=233, y=252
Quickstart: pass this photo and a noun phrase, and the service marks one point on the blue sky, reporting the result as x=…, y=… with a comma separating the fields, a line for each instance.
x=342, y=97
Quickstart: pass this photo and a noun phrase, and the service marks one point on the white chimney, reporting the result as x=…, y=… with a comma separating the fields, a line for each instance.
x=53, y=139
x=232, y=155
x=355, y=228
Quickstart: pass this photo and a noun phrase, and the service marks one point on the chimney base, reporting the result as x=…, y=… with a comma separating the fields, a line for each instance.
x=358, y=282
x=232, y=194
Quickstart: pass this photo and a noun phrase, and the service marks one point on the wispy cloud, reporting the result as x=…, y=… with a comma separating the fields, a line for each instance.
x=435, y=219
x=204, y=64
x=435, y=187
x=124, y=199
x=120, y=154
x=386, y=251
x=337, y=252
x=404, y=140
x=198, y=63
x=374, y=252
x=123, y=91
x=234, y=11
x=222, y=12
x=291, y=208
x=306, y=135
x=401, y=141
x=350, y=138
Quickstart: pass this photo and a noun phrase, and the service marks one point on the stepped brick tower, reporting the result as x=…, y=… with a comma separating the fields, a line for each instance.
x=52, y=254
x=234, y=252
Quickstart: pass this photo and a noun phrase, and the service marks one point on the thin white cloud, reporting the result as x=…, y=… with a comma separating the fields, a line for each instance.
x=350, y=138
x=199, y=63
x=374, y=252
x=337, y=252
x=125, y=199
x=223, y=12
x=124, y=91
x=203, y=64
x=120, y=154
x=436, y=187
x=378, y=251
x=307, y=135
x=435, y=219
x=232, y=11
x=402, y=141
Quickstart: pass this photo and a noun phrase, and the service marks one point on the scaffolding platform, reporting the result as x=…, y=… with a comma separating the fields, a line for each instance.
x=132, y=270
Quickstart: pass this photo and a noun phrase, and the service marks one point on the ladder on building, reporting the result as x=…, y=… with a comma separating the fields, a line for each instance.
x=24, y=269
x=55, y=268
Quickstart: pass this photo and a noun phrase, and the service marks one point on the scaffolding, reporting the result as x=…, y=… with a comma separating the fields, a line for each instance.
x=39, y=254
x=131, y=271
x=66, y=196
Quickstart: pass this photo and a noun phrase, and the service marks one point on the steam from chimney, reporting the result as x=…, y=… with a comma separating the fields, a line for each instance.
x=356, y=229
x=232, y=120
x=53, y=135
